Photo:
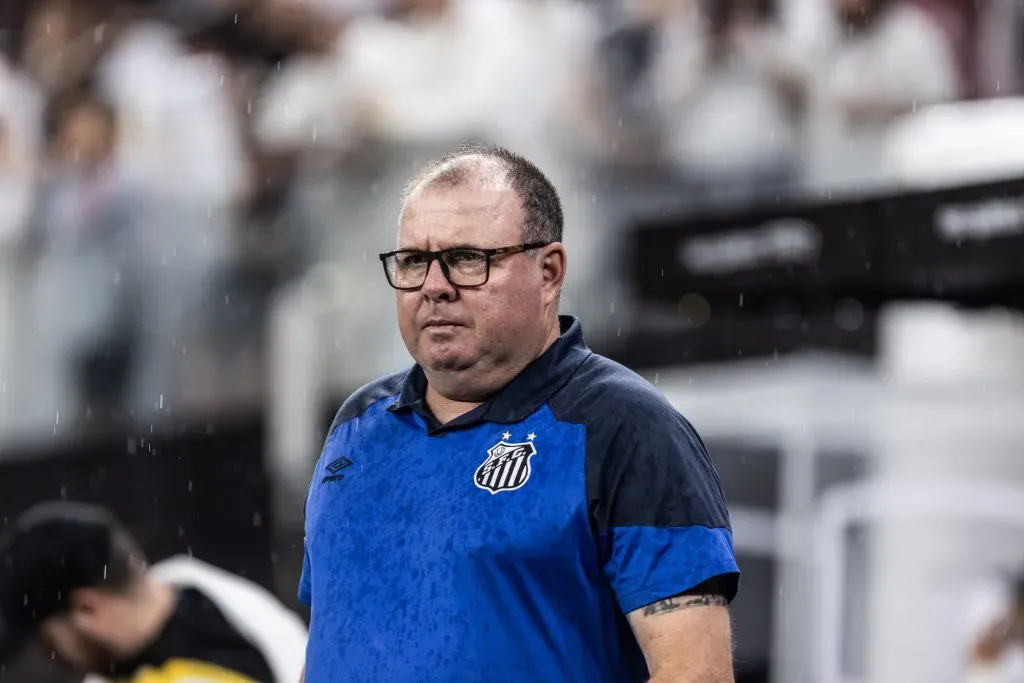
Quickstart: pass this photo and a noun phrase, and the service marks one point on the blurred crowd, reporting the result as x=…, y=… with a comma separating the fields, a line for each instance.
x=167, y=167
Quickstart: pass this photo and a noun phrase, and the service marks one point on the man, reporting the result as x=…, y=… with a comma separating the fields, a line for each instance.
x=514, y=507
x=73, y=577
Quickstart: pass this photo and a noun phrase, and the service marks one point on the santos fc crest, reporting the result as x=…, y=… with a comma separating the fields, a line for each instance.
x=507, y=466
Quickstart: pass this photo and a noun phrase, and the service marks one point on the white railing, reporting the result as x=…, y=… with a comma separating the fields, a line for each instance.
x=844, y=507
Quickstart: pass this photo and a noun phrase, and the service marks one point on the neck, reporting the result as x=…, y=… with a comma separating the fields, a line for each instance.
x=156, y=605
x=447, y=408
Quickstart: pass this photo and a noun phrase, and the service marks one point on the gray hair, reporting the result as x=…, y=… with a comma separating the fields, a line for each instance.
x=543, y=220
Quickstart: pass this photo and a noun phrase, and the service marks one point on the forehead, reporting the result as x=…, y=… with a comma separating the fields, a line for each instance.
x=485, y=215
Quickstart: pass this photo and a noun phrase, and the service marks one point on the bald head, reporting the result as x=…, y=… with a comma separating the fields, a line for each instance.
x=496, y=168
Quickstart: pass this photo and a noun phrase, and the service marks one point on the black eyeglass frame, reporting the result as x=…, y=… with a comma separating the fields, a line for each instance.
x=432, y=256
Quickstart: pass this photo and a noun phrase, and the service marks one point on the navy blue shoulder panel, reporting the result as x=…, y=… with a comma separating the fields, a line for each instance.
x=646, y=465
x=361, y=400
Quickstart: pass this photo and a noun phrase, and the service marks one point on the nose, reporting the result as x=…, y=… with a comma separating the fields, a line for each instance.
x=436, y=286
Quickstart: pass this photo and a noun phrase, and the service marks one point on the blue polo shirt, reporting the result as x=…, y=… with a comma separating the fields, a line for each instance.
x=509, y=544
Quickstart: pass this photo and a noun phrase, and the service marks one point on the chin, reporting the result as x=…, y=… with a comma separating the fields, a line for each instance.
x=446, y=363
x=444, y=358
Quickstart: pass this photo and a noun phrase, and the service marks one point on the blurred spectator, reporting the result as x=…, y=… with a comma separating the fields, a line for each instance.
x=180, y=122
x=181, y=139
x=21, y=132
x=85, y=229
x=881, y=59
x=429, y=70
x=308, y=104
x=728, y=125
x=21, y=115
x=64, y=40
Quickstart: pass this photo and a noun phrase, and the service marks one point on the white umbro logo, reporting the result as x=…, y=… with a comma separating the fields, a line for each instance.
x=507, y=466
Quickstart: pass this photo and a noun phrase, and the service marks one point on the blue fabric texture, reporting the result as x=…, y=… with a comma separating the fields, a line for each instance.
x=509, y=544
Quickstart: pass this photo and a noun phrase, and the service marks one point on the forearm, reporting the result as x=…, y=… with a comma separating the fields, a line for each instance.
x=722, y=675
x=701, y=670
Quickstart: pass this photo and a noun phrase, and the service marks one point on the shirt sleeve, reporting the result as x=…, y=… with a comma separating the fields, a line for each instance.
x=659, y=510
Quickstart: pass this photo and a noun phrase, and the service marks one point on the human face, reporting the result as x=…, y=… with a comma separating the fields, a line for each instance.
x=467, y=339
x=87, y=137
x=74, y=646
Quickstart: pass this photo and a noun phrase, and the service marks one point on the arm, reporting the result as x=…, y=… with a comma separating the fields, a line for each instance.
x=686, y=638
x=667, y=545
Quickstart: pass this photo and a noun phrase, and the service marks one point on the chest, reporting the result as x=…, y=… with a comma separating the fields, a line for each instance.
x=490, y=491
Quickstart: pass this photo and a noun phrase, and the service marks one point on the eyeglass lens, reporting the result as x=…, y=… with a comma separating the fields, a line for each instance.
x=464, y=267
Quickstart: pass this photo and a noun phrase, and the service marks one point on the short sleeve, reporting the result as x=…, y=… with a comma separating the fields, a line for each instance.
x=306, y=580
x=659, y=510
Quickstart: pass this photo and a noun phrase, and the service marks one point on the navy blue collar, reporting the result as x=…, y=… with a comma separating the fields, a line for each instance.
x=522, y=396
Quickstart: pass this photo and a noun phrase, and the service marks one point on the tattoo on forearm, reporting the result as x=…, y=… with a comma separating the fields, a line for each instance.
x=679, y=602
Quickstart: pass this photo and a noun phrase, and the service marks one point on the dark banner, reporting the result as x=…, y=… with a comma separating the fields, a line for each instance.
x=962, y=244
x=801, y=275
x=797, y=251
x=731, y=336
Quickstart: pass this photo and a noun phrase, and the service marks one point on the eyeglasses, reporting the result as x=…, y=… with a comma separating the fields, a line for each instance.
x=407, y=269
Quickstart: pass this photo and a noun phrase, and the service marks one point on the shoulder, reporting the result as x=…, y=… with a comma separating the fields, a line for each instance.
x=633, y=433
x=367, y=397
x=607, y=394
x=910, y=22
x=646, y=466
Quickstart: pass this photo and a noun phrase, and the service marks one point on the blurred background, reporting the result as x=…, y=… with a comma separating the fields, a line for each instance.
x=803, y=220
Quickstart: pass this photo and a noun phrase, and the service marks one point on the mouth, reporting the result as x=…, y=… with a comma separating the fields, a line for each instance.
x=440, y=325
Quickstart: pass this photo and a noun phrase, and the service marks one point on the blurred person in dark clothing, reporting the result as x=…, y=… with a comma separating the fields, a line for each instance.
x=73, y=578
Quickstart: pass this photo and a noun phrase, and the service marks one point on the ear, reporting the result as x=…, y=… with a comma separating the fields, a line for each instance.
x=553, y=264
x=85, y=604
